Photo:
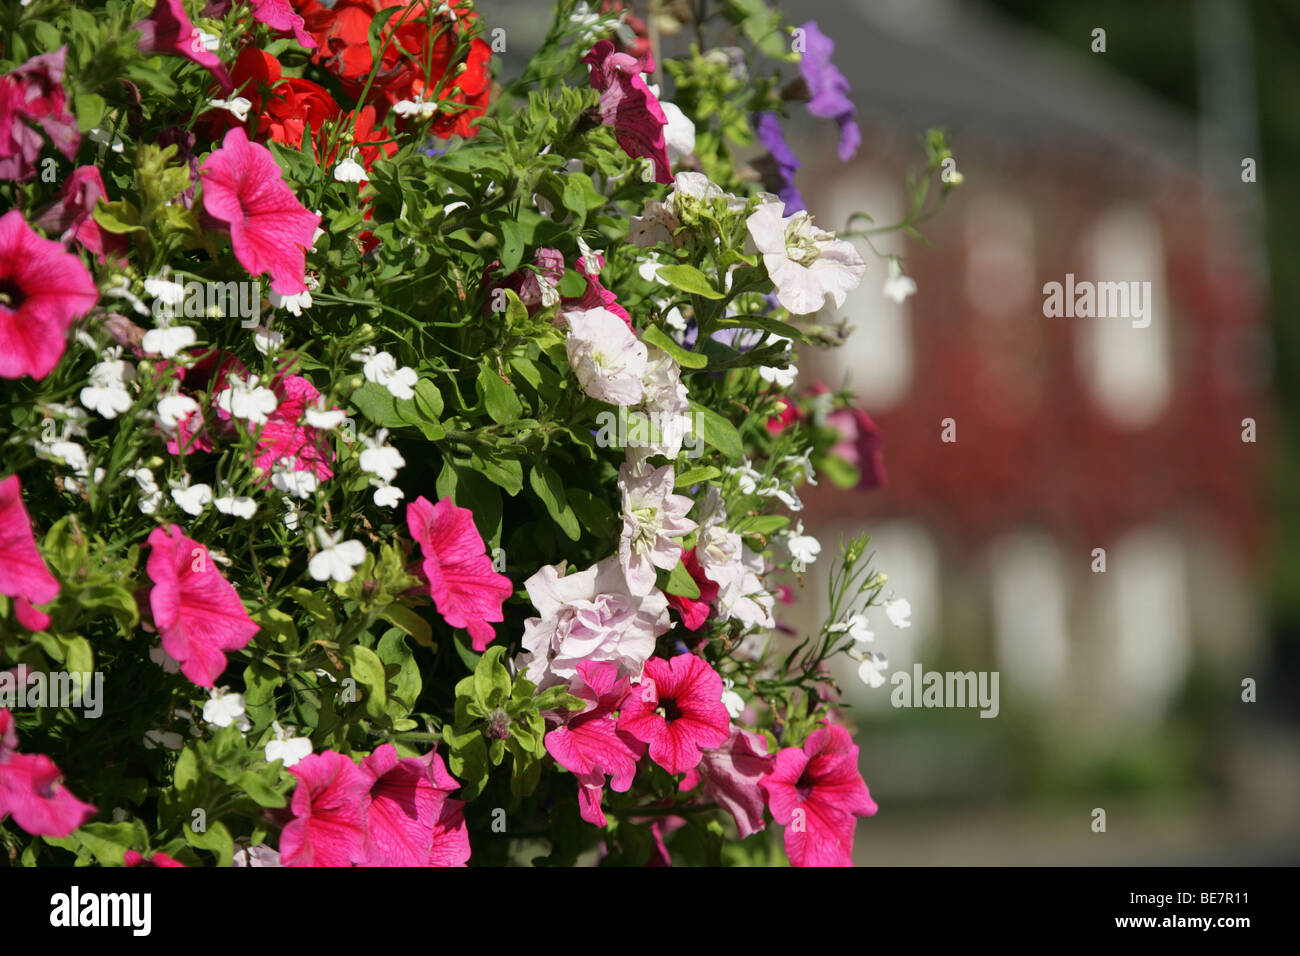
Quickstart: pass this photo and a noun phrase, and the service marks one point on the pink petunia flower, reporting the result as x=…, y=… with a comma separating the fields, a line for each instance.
x=731, y=775
x=406, y=800
x=589, y=744
x=280, y=15
x=695, y=611
x=33, y=93
x=596, y=296
x=817, y=793
x=196, y=610
x=23, y=574
x=72, y=215
x=329, y=806
x=43, y=290
x=677, y=710
x=450, y=836
x=270, y=230
x=465, y=589
x=32, y=791
x=860, y=446
x=168, y=30
x=136, y=858
x=627, y=104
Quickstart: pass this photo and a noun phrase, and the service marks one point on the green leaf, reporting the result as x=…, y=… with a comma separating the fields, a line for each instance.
x=508, y=473
x=512, y=246
x=409, y=622
x=118, y=217
x=548, y=486
x=681, y=583
x=491, y=679
x=761, y=524
x=696, y=476
x=653, y=335
x=499, y=398
x=596, y=516
x=90, y=110
x=215, y=839
x=717, y=431
x=688, y=279
x=261, y=792
x=365, y=665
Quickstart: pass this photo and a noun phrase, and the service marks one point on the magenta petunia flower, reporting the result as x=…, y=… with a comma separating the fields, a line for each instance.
x=72, y=215
x=860, y=445
x=406, y=800
x=695, y=611
x=465, y=589
x=817, y=793
x=196, y=610
x=286, y=434
x=168, y=30
x=270, y=230
x=627, y=104
x=731, y=776
x=33, y=94
x=329, y=806
x=43, y=290
x=32, y=791
x=136, y=858
x=596, y=296
x=280, y=15
x=23, y=574
x=677, y=709
x=589, y=744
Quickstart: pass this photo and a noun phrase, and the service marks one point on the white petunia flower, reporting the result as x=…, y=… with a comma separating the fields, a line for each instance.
x=806, y=264
x=679, y=134
x=606, y=356
x=337, y=557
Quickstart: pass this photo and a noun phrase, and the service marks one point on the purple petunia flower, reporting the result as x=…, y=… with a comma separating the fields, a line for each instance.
x=828, y=89
x=784, y=161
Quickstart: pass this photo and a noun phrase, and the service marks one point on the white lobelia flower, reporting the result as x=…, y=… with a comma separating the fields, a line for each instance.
x=101, y=136
x=388, y=496
x=380, y=459
x=245, y=399
x=418, y=107
x=336, y=558
x=327, y=419
x=164, y=660
x=606, y=356
x=382, y=369
x=266, y=340
x=223, y=709
x=168, y=340
x=780, y=377
x=653, y=519
x=192, y=499
x=806, y=264
x=285, y=746
x=899, y=612
x=287, y=479
x=169, y=293
x=349, y=170
x=803, y=548
x=898, y=286
x=293, y=304
x=292, y=514
x=240, y=506
x=107, y=394
x=237, y=106
x=167, y=739
x=734, y=703
x=173, y=408
x=871, y=671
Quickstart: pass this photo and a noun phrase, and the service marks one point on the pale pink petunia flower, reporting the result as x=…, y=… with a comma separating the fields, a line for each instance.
x=607, y=358
x=817, y=793
x=270, y=230
x=465, y=589
x=23, y=574
x=731, y=776
x=168, y=30
x=677, y=709
x=589, y=744
x=805, y=264
x=43, y=290
x=197, y=612
x=653, y=520
x=588, y=616
x=329, y=807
